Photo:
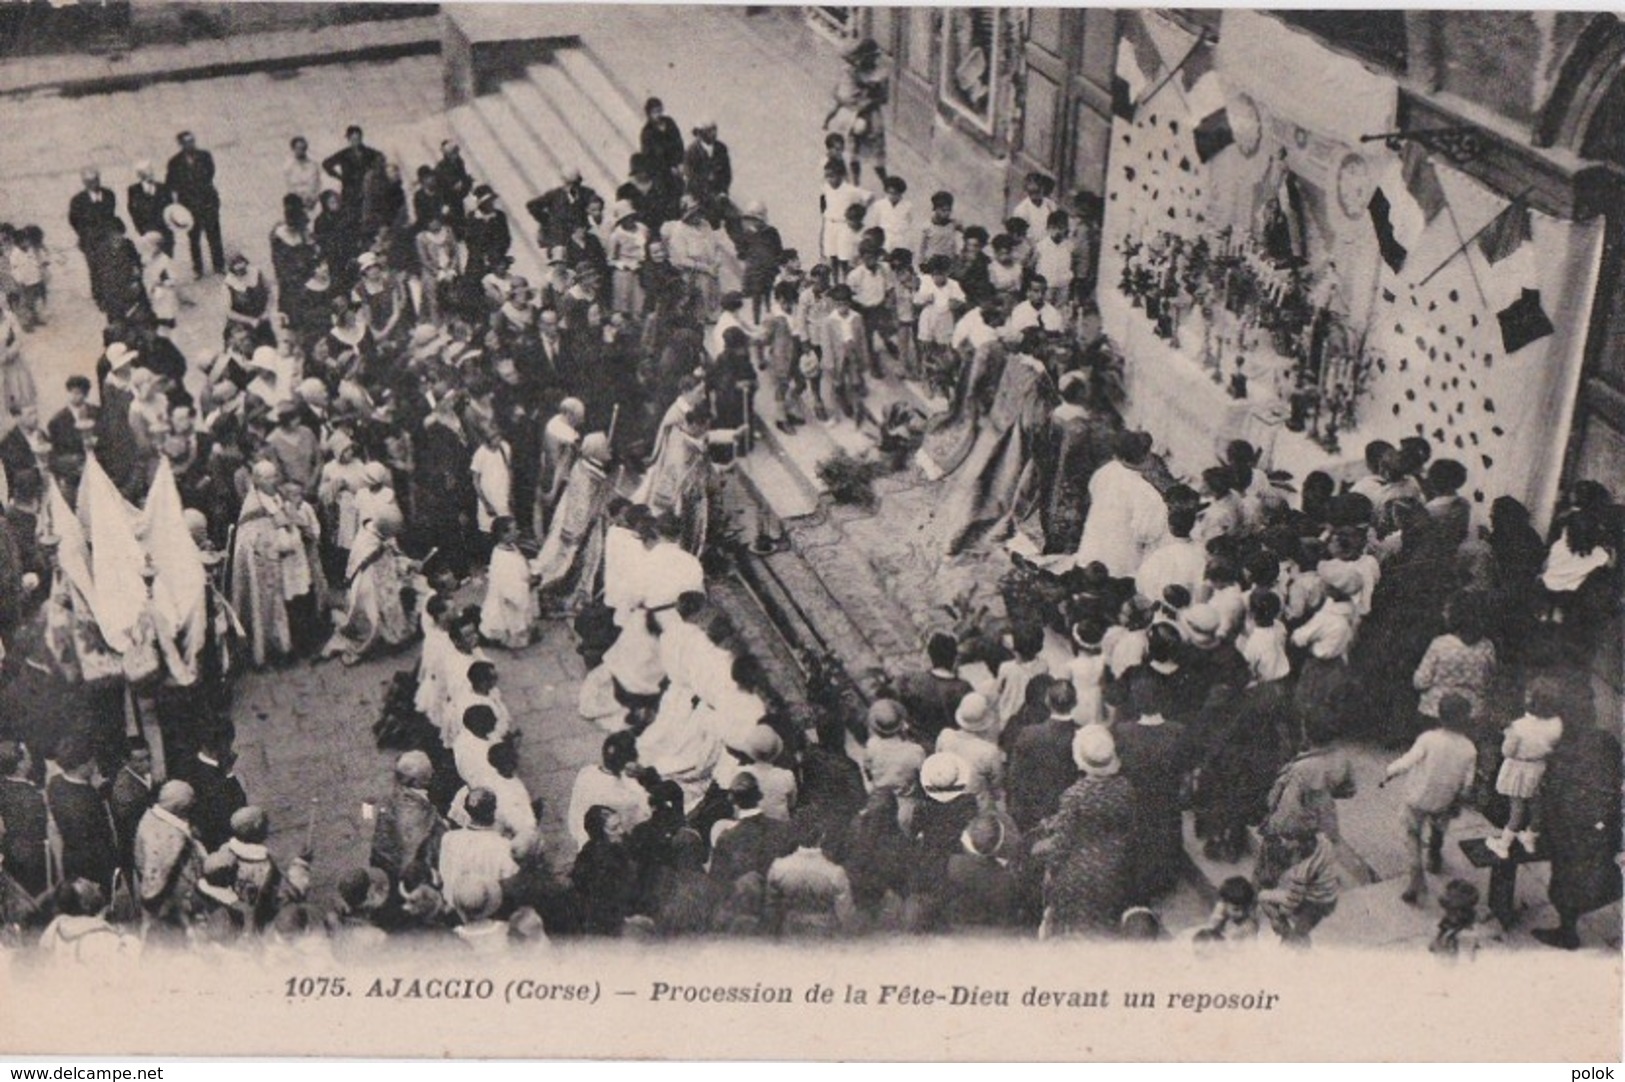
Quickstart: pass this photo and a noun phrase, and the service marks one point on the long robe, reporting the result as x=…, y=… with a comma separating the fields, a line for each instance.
x=1127, y=519
x=1076, y=444
x=996, y=485
x=256, y=576
x=509, y=608
x=678, y=484
x=375, y=615
x=568, y=563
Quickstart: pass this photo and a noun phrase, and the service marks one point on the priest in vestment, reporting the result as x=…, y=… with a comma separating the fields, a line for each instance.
x=265, y=535
x=567, y=566
x=375, y=615
x=1127, y=515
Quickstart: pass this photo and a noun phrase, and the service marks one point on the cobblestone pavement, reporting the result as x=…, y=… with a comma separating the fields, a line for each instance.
x=306, y=744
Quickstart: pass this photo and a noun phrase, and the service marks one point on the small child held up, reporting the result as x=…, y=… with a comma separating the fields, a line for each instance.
x=1529, y=741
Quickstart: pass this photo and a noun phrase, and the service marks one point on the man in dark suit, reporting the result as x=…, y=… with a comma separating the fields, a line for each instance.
x=932, y=697
x=982, y=890
x=132, y=794
x=22, y=809
x=754, y=841
x=91, y=210
x=146, y=200
x=89, y=844
x=350, y=167
x=708, y=169
x=486, y=232
x=560, y=211
x=451, y=174
x=68, y=426
x=1041, y=766
x=191, y=179
x=219, y=793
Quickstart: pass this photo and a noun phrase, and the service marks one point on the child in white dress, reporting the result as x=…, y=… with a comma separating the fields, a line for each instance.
x=508, y=613
x=1528, y=743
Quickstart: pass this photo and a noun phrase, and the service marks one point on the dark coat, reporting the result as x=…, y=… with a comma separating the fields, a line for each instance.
x=90, y=217
x=931, y=701
x=751, y=846
x=605, y=878
x=708, y=174
x=191, y=178
x=350, y=168
x=661, y=144
x=1156, y=759
x=89, y=846
x=63, y=429
x=1580, y=797
x=937, y=827
x=147, y=211
x=1041, y=769
x=981, y=893
x=219, y=796
x=22, y=809
x=832, y=782
x=559, y=211
x=129, y=800
x=488, y=238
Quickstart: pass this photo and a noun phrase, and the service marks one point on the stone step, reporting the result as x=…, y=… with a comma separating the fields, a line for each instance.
x=608, y=96
x=487, y=158
x=778, y=485
x=544, y=100
x=532, y=160
x=411, y=145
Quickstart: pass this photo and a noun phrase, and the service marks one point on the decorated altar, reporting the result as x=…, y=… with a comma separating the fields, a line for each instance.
x=1280, y=265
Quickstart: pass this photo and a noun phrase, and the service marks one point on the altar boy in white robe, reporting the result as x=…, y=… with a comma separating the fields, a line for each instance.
x=508, y=613
x=1127, y=516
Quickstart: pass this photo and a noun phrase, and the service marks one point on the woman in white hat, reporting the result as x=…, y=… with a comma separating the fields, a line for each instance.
x=341, y=479
x=628, y=248
x=940, y=819
x=972, y=738
x=382, y=298
x=1088, y=845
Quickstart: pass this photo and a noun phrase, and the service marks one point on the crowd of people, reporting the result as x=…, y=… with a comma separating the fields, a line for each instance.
x=396, y=425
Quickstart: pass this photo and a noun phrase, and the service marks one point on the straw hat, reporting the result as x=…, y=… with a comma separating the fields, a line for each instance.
x=1095, y=752
x=944, y=776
